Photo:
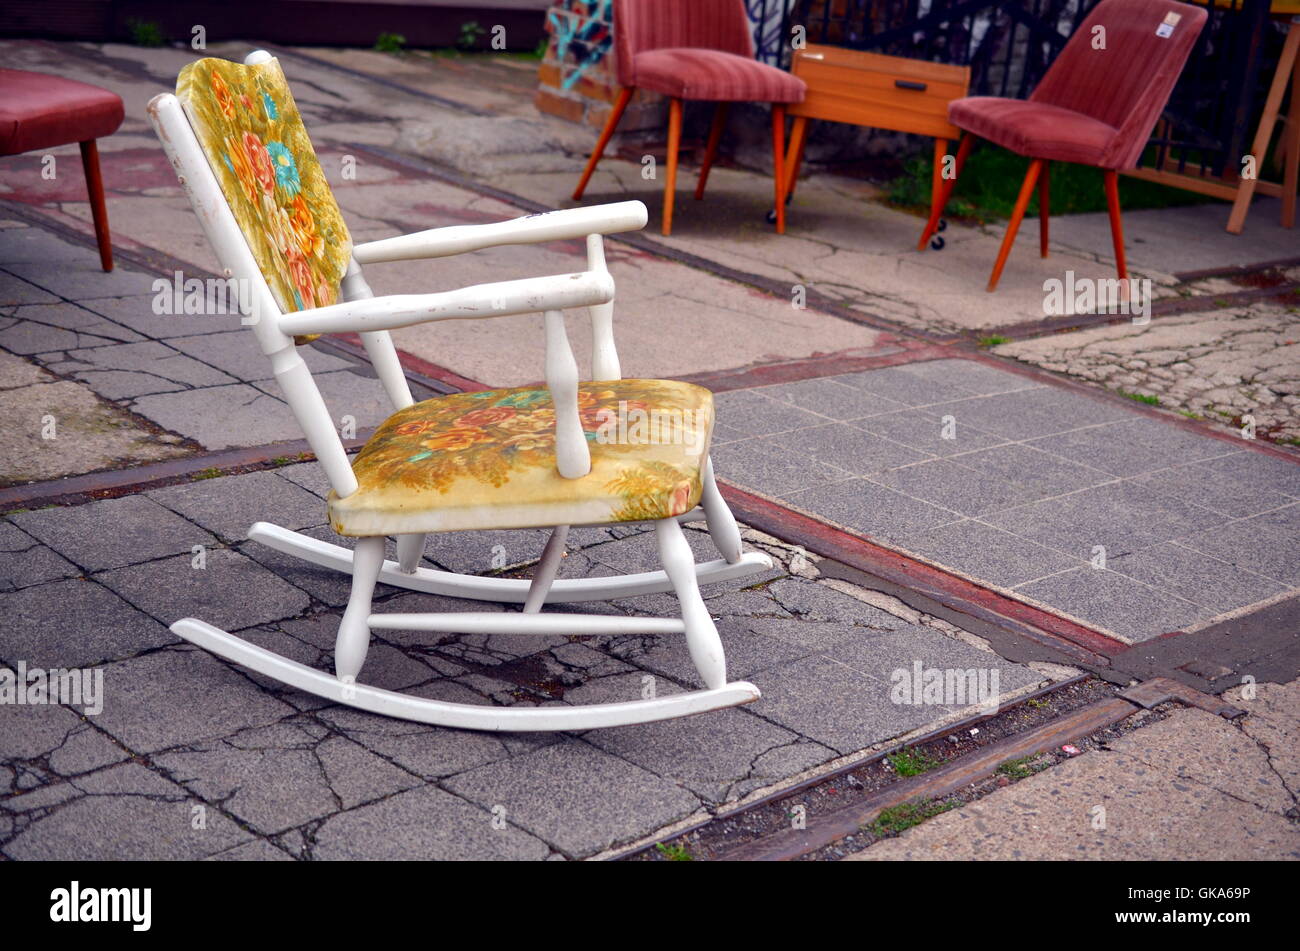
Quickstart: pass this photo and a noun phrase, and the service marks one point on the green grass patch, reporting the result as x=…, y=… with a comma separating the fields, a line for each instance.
x=1020, y=768
x=990, y=182
x=897, y=819
x=390, y=42
x=674, y=853
x=992, y=341
x=210, y=473
x=1140, y=397
x=912, y=762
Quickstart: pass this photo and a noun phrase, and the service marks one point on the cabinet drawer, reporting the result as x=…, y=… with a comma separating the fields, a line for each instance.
x=886, y=92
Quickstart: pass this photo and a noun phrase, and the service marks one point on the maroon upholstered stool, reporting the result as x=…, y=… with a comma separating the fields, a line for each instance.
x=1096, y=105
x=695, y=49
x=39, y=111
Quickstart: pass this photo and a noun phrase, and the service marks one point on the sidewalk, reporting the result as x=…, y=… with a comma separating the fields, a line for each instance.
x=1190, y=787
x=929, y=502
x=282, y=774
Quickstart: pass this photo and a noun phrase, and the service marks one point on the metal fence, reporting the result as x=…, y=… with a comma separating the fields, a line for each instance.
x=1010, y=44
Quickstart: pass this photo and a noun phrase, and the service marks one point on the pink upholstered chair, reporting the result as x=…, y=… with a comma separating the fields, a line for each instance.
x=697, y=50
x=39, y=111
x=1096, y=105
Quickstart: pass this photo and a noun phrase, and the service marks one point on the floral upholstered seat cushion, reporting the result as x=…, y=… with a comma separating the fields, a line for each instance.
x=249, y=128
x=487, y=460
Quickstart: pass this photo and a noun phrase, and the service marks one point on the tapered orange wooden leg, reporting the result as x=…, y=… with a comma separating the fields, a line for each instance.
x=936, y=208
x=1017, y=215
x=778, y=163
x=98, y=212
x=936, y=180
x=1116, y=226
x=1044, y=203
x=670, y=180
x=606, y=134
x=794, y=153
x=711, y=150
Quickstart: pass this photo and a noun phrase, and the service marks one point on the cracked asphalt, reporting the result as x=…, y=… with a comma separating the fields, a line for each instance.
x=192, y=757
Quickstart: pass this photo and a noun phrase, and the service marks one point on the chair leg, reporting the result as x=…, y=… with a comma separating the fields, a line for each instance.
x=1044, y=203
x=353, y=639
x=410, y=549
x=778, y=163
x=702, y=639
x=670, y=180
x=1116, y=226
x=711, y=150
x=1013, y=226
x=722, y=524
x=605, y=135
x=546, y=569
x=95, y=188
x=794, y=153
x=937, y=207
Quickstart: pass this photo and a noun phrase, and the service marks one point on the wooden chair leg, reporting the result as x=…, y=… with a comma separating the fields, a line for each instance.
x=702, y=641
x=670, y=180
x=353, y=640
x=794, y=153
x=1044, y=204
x=936, y=208
x=1291, y=139
x=1116, y=226
x=606, y=134
x=778, y=163
x=95, y=188
x=1017, y=215
x=711, y=150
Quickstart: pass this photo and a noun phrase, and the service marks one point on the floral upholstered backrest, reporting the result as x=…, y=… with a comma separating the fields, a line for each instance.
x=248, y=126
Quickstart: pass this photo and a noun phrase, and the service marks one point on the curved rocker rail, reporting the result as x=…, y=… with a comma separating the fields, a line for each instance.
x=461, y=715
x=506, y=590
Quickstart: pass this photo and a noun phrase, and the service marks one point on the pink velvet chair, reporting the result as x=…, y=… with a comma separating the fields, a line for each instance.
x=697, y=50
x=1096, y=105
x=39, y=111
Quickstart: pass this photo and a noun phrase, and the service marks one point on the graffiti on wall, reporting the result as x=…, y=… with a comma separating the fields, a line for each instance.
x=583, y=34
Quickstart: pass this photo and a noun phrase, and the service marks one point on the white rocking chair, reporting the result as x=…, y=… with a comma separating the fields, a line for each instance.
x=519, y=458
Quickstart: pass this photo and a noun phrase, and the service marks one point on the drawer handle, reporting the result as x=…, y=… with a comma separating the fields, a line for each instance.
x=908, y=84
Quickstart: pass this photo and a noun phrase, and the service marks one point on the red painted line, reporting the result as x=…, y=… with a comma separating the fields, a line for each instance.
x=859, y=552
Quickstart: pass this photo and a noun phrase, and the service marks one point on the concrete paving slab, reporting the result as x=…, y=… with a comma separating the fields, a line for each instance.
x=544, y=791
x=1196, y=577
x=279, y=777
x=125, y=812
x=1115, y=604
x=74, y=623
x=980, y=551
x=219, y=417
x=437, y=826
x=871, y=508
x=144, y=711
x=228, y=507
x=173, y=588
x=112, y=533
x=24, y=561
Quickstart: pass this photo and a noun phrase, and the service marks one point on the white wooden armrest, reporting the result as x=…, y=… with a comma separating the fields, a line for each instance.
x=549, y=226
x=526, y=296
